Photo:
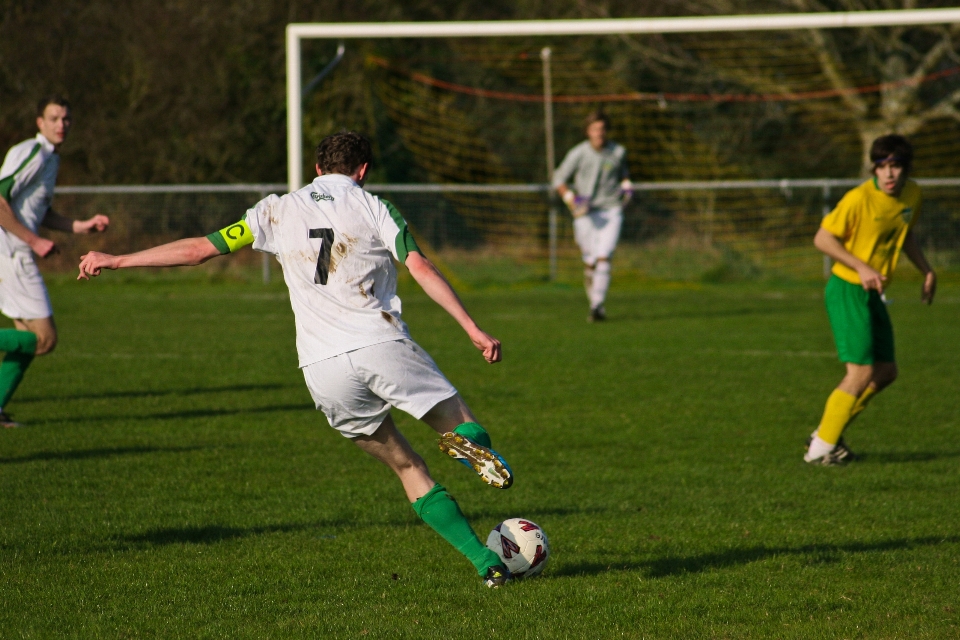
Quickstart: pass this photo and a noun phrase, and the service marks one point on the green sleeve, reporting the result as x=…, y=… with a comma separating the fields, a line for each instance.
x=219, y=242
x=6, y=185
x=405, y=244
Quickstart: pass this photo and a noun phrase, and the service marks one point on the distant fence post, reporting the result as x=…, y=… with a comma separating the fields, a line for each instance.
x=551, y=162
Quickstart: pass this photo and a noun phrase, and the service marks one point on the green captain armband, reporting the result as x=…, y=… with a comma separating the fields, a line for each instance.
x=229, y=239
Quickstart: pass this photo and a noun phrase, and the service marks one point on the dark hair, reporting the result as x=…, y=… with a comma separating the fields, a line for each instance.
x=597, y=115
x=343, y=152
x=53, y=98
x=893, y=147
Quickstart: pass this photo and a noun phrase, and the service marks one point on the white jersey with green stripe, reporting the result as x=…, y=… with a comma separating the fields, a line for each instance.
x=336, y=244
x=27, y=180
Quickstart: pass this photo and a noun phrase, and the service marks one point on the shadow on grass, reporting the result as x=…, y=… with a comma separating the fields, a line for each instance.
x=697, y=314
x=160, y=392
x=210, y=534
x=915, y=456
x=181, y=415
x=94, y=453
x=215, y=534
x=817, y=554
x=533, y=512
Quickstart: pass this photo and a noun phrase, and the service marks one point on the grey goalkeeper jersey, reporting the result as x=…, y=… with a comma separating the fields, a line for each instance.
x=595, y=174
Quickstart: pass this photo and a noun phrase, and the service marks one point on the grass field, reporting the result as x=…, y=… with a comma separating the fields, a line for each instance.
x=174, y=480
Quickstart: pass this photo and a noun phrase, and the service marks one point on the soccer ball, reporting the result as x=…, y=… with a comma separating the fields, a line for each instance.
x=522, y=545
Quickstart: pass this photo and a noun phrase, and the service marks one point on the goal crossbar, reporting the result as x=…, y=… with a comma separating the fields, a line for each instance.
x=527, y=28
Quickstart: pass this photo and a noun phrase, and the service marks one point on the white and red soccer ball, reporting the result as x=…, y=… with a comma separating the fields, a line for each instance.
x=522, y=545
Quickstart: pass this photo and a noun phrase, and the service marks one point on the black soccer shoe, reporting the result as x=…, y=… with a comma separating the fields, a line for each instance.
x=841, y=451
x=597, y=314
x=7, y=421
x=497, y=577
x=832, y=459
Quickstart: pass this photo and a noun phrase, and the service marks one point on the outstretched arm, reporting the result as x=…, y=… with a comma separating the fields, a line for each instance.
x=912, y=248
x=828, y=243
x=181, y=253
x=54, y=220
x=437, y=287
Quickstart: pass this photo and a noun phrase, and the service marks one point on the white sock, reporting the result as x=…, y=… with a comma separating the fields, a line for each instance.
x=588, y=280
x=818, y=449
x=601, y=282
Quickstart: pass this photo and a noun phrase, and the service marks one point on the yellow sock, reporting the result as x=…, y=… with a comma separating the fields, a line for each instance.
x=836, y=415
x=862, y=401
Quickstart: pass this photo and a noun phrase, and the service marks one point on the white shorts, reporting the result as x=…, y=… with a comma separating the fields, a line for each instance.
x=23, y=295
x=597, y=233
x=355, y=390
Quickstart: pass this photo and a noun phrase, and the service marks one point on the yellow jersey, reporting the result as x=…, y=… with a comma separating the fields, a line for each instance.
x=873, y=225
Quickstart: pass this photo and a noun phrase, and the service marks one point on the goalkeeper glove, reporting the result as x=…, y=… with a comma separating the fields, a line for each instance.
x=579, y=205
x=626, y=191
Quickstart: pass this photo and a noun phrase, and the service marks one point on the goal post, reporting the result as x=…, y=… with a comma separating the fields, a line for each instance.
x=539, y=28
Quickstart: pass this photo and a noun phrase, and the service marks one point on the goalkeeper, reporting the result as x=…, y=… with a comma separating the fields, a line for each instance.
x=864, y=235
x=337, y=244
x=597, y=168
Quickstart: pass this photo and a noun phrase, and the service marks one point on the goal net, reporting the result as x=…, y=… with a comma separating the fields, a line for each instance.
x=731, y=135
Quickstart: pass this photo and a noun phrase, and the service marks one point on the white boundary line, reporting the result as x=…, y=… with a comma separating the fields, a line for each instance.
x=517, y=28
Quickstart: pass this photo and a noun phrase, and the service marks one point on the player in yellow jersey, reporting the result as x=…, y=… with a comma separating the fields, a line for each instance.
x=864, y=235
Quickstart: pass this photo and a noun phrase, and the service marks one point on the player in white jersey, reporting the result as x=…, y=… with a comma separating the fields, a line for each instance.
x=337, y=244
x=27, y=179
x=601, y=187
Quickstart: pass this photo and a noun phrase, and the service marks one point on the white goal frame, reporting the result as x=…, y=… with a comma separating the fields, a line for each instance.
x=527, y=28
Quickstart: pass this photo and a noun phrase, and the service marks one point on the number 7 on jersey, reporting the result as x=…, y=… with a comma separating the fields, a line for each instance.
x=323, y=256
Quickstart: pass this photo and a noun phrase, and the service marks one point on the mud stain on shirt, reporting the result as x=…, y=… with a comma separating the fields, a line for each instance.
x=389, y=318
x=305, y=256
x=340, y=250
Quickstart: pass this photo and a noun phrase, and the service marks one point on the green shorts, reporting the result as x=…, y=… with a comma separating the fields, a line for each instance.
x=860, y=322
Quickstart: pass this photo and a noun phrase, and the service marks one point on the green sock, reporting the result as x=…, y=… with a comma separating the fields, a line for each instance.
x=442, y=513
x=474, y=432
x=20, y=347
x=19, y=341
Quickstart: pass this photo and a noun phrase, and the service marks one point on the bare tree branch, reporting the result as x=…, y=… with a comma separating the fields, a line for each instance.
x=831, y=63
x=933, y=57
x=945, y=108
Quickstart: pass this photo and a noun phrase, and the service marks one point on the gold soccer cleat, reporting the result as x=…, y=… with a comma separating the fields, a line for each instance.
x=487, y=463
